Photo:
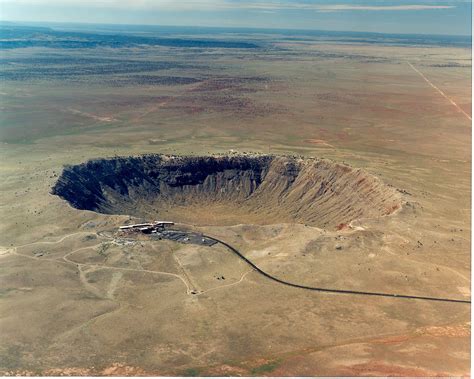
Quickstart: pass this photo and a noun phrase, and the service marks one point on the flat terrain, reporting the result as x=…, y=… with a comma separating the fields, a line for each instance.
x=76, y=298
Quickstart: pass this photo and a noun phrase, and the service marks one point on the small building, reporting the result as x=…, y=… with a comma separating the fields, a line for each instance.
x=147, y=227
x=163, y=223
x=135, y=226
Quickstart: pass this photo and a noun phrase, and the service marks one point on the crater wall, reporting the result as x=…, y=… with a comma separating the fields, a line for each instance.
x=246, y=189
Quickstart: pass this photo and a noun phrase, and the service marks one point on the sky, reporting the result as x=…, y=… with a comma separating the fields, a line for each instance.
x=384, y=16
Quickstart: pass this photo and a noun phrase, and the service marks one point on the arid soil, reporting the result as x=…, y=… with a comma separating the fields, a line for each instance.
x=77, y=297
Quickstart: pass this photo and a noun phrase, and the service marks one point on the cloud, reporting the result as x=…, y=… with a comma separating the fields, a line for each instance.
x=413, y=7
x=219, y=5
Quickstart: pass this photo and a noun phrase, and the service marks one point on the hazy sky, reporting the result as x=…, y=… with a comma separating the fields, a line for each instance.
x=395, y=16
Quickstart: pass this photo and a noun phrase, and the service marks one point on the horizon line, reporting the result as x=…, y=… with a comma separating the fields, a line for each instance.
x=238, y=27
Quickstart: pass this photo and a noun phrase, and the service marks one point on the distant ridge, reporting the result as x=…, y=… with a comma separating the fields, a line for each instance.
x=168, y=30
x=16, y=36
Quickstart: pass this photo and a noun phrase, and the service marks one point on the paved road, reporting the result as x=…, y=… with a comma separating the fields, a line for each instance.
x=250, y=263
x=339, y=291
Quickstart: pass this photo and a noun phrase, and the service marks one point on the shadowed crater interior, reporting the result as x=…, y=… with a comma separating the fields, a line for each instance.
x=225, y=190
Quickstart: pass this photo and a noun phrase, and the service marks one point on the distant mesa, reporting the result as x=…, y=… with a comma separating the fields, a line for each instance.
x=226, y=190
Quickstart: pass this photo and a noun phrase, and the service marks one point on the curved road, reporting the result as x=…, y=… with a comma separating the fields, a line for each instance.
x=255, y=267
x=349, y=292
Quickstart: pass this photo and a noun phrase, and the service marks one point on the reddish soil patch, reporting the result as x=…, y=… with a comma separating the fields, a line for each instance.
x=375, y=368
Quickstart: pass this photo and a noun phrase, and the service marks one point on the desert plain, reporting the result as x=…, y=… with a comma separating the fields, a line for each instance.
x=79, y=298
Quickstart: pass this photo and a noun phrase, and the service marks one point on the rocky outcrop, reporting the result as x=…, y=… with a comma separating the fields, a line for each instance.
x=312, y=191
